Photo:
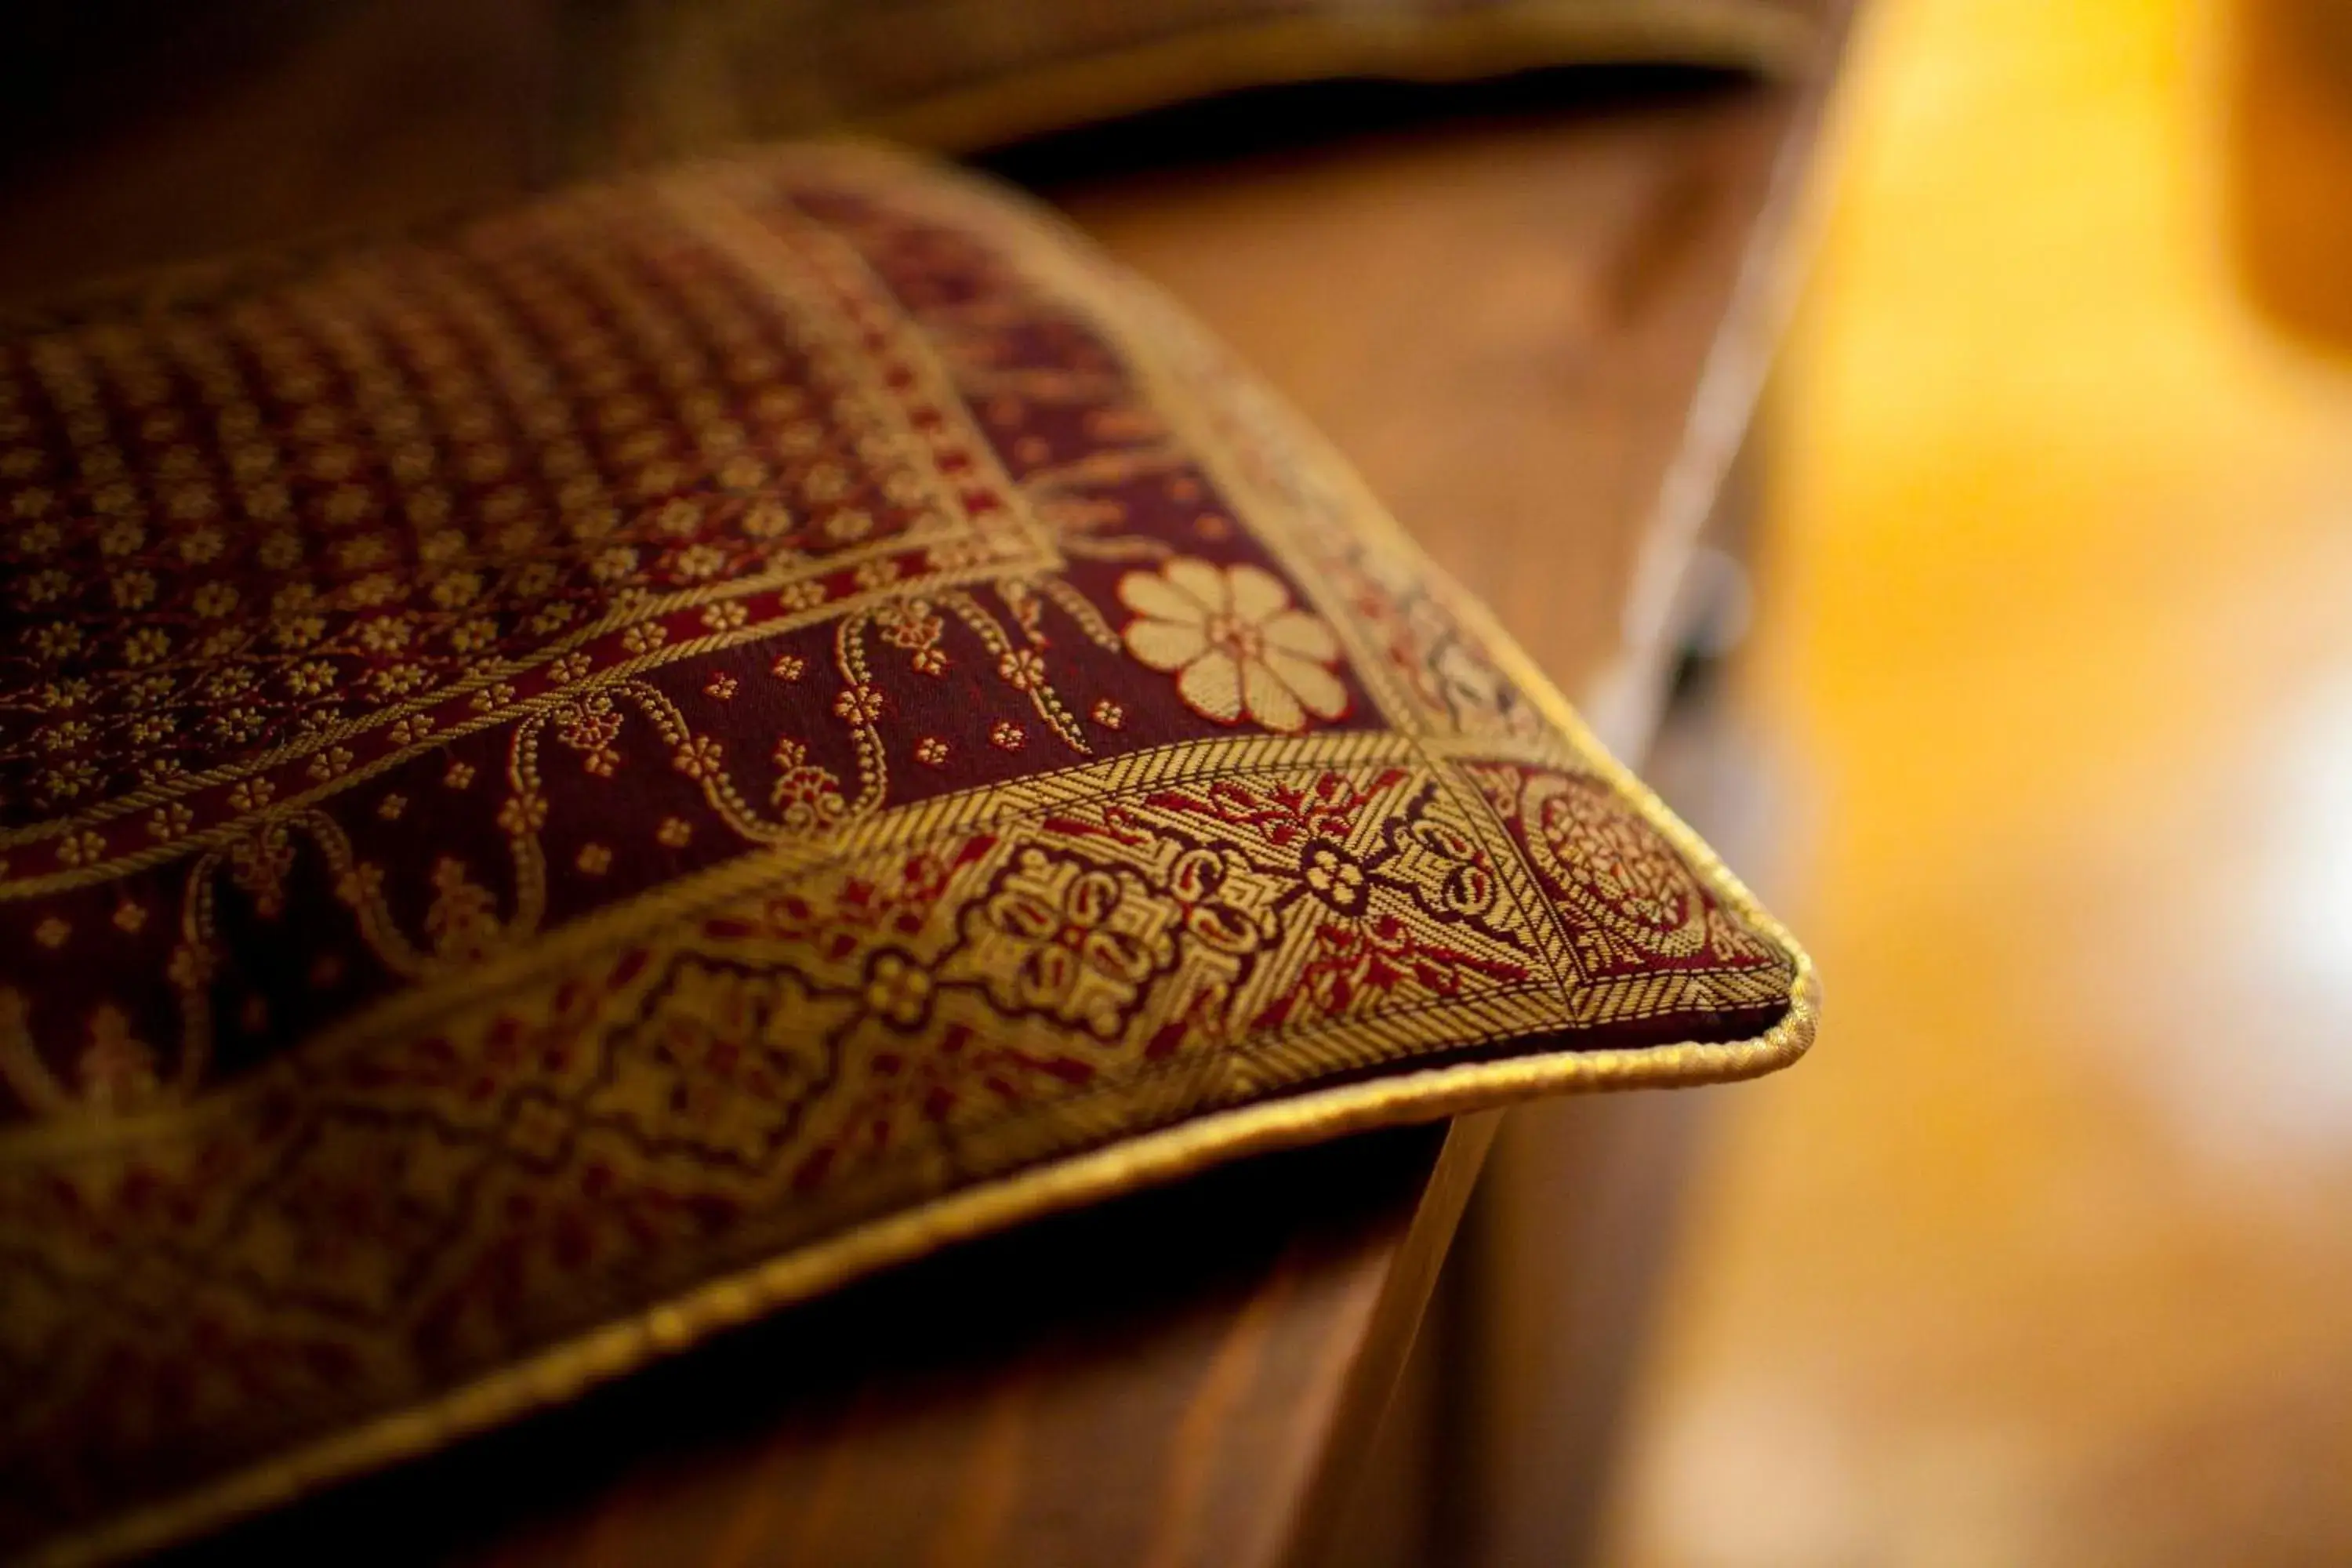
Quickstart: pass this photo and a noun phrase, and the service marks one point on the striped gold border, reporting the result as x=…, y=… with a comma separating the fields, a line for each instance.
x=563, y=1371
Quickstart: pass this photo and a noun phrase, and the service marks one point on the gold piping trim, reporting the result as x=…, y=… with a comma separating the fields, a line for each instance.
x=563, y=1371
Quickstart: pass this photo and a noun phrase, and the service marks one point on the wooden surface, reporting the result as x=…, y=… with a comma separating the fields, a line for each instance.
x=1534, y=318
x=2042, y=1258
x=135, y=134
x=1150, y=1381
x=1562, y=1268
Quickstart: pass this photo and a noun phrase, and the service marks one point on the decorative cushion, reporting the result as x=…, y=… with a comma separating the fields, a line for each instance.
x=571, y=782
x=964, y=74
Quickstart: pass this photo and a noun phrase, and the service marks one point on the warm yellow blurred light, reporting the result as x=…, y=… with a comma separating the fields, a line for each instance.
x=2046, y=1256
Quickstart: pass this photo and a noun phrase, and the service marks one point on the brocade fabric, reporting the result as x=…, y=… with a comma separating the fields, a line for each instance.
x=569, y=781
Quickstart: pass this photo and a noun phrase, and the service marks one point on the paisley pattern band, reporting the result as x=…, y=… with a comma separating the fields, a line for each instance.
x=566, y=781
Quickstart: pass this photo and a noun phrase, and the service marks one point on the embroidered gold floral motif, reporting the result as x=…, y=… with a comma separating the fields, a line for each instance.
x=1236, y=645
x=1058, y=937
x=806, y=797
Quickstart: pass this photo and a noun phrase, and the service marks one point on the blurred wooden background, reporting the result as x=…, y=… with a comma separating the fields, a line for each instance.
x=2045, y=1257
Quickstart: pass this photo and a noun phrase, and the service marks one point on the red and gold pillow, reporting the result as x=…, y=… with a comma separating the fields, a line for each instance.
x=572, y=782
x=966, y=74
